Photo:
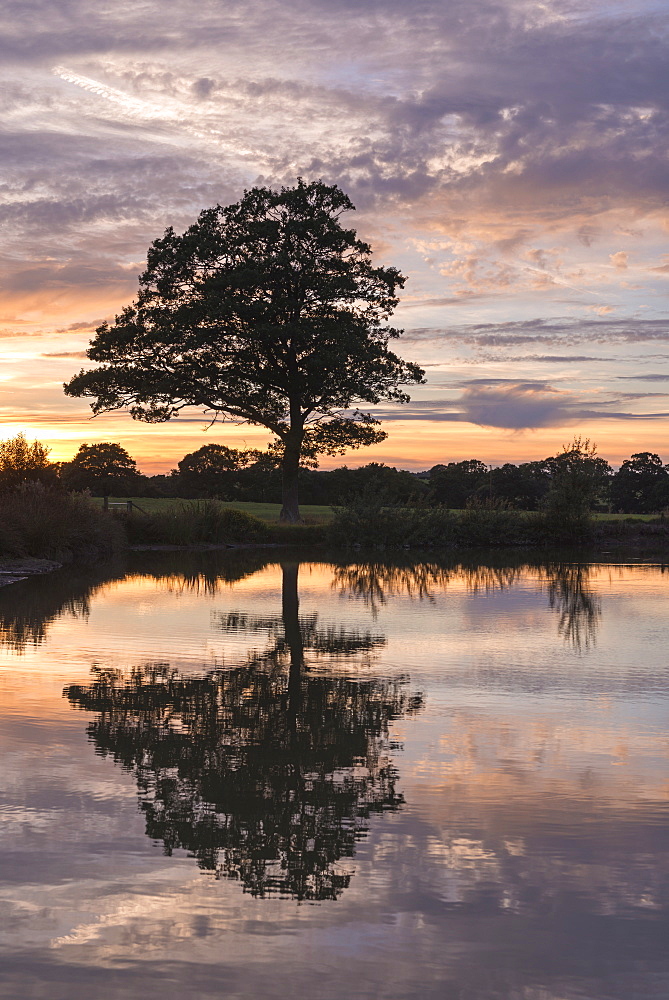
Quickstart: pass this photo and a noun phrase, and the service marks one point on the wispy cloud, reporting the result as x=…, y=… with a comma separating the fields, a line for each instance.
x=509, y=156
x=562, y=331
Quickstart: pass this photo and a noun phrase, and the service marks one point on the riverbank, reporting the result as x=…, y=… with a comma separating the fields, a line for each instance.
x=15, y=570
x=409, y=530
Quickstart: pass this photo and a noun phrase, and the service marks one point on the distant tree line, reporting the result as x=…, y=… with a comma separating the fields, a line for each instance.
x=577, y=476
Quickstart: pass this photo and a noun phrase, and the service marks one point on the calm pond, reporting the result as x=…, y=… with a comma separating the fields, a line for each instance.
x=240, y=775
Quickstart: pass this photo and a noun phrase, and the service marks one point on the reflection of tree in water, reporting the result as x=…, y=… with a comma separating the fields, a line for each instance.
x=377, y=582
x=567, y=585
x=577, y=605
x=29, y=607
x=265, y=772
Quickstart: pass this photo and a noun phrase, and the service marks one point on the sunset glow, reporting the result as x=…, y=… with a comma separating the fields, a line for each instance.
x=509, y=158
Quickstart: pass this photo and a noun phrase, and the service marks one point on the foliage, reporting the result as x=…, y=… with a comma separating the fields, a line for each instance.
x=23, y=462
x=209, y=471
x=641, y=485
x=578, y=475
x=197, y=523
x=368, y=520
x=579, y=479
x=490, y=522
x=104, y=468
x=454, y=484
x=46, y=522
x=394, y=485
x=267, y=311
x=215, y=470
x=522, y=486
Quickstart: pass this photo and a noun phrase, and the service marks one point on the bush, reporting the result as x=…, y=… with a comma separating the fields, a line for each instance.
x=560, y=524
x=491, y=522
x=46, y=522
x=205, y=522
x=370, y=521
x=297, y=534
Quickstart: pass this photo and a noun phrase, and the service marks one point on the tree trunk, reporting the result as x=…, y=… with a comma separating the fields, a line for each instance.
x=290, y=468
x=293, y=635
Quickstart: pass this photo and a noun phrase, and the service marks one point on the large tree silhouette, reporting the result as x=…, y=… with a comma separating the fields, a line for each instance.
x=267, y=772
x=268, y=312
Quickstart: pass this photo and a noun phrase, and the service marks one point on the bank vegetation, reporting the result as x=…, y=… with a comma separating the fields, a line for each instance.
x=42, y=516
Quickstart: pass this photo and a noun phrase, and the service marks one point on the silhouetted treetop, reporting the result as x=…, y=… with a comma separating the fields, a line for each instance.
x=268, y=311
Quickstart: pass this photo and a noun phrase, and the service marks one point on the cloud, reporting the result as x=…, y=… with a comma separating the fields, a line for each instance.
x=512, y=404
x=602, y=310
x=64, y=354
x=493, y=106
x=557, y=331
x=84, y=325
x=527, y=141
x=559, y=358
x=516, y=405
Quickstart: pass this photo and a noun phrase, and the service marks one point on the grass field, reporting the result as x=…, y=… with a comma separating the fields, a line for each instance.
x=625, y=517
x=311, y=513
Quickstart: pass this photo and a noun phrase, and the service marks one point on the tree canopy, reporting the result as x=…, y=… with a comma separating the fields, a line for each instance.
x=641, y=485
x=22, y=462
x=267, y=311
x=207, y=471
x=104, y=468
x=579, y=479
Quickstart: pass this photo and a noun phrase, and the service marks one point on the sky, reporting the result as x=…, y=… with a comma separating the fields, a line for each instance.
x=510, y=157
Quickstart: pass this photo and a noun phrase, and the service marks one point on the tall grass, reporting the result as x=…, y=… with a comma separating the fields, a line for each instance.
x=368, y=520
x=491, y=522
x=200, y=522
x=45, y=522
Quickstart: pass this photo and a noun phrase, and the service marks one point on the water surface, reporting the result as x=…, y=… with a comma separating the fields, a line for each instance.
x=239, y=775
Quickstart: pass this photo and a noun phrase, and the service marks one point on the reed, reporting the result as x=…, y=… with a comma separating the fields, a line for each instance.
x=46, y=522
x=200, y=522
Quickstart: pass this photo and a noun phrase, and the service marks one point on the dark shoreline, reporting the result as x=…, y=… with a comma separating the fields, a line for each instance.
x=13, y=570
x=611, y=541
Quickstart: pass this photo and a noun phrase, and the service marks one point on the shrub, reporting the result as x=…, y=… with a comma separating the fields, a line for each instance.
x=297, y=534
x=46, y=522
x=560, y=524
x=203, y=522
x=369, y=520
x=491, y=522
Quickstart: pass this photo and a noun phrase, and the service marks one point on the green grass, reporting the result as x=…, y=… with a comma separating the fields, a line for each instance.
x=269, y=512
x=625, y=517
x=312, y=513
